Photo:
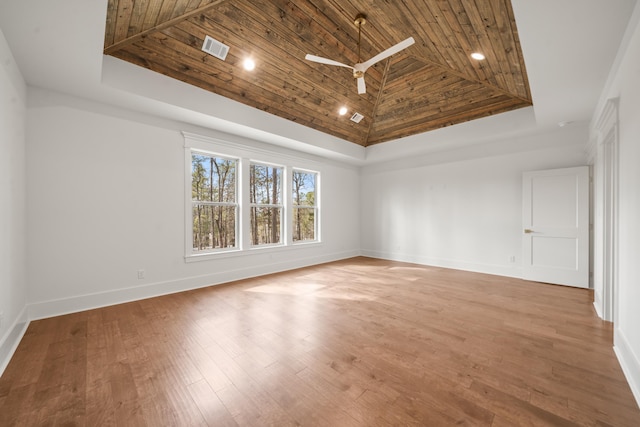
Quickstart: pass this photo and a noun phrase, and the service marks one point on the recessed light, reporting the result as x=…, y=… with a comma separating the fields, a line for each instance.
x=342, y=111
x=249, y=64
x=477, y=55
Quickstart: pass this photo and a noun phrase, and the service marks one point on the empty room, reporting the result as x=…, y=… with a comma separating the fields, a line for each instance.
x=358, y=213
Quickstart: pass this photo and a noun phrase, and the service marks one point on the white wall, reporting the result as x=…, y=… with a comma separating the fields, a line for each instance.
x=13, y=280
x=625, y=85
x=460, y=209
x=106, y=198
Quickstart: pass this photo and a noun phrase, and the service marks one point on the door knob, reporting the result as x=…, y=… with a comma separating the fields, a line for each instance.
x=528, y=231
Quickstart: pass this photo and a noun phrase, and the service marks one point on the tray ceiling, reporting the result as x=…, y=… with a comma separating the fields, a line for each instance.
x=432, y=84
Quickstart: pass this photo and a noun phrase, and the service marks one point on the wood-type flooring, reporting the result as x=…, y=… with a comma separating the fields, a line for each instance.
x=358, y=342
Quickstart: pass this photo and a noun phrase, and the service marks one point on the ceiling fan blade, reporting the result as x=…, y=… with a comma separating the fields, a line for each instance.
x=387, y=53
x=322, y=60
x=362, y=88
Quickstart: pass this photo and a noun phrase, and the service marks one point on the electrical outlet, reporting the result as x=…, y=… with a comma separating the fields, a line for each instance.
x=512, y=258
x=140, y=274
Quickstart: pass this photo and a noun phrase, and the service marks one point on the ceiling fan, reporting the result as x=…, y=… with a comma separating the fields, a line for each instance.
x=361, y=67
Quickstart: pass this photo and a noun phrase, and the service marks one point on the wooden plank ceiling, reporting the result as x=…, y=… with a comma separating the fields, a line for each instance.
x=432, y=84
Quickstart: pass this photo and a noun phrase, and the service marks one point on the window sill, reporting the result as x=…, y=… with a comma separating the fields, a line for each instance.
x=251, y=251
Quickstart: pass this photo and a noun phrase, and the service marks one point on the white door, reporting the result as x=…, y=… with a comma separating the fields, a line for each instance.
x=555, y=242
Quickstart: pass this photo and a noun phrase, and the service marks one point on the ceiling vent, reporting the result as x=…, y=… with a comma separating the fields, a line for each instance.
x=357, y=117
x=215, y=48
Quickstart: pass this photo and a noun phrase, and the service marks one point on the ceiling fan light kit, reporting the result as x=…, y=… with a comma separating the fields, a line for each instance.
x=361, y=67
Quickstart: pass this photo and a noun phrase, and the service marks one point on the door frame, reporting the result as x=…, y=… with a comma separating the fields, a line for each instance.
x=606, y=166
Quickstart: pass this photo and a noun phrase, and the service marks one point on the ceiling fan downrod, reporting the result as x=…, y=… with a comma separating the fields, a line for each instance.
x=360, y=20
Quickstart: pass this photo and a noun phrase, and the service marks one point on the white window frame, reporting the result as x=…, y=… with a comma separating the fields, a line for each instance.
x=190, y=203
x=316, y=207
x=245, y=154
x=282, y=206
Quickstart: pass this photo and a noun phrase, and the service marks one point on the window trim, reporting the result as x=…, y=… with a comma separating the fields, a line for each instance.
x=245, y=155
x=316, y=207
x=190, y=203
x=282, y=206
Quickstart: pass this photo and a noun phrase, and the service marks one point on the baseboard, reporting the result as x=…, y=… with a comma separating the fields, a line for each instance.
x=498, y=270
x=629, y=362
x=596, y=306
x=9, y=342
x=597, y=303
x=57, y=307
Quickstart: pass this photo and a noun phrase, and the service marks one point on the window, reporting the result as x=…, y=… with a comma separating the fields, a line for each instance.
x=265, y=198
x=214, y=202
x=305, y=209
x=240, y=199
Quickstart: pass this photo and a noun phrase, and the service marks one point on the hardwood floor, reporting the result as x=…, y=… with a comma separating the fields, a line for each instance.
x=360, y=342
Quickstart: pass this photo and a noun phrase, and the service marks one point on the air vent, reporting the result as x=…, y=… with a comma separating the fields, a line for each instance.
x=357, y=117
x=215, y=48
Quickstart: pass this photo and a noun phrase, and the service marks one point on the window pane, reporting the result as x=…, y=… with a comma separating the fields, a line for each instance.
x=265, y=225
x=304, y=224
x=304, y=189
x=213, y=179
x=214, y=227
x=265, y=185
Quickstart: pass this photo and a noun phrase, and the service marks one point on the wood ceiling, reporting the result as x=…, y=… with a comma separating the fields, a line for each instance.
x=432, y=84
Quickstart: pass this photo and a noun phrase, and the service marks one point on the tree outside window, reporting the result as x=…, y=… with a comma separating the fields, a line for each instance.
x=265, y=197
x=214, y=202
x=305, y=209
x=218, y=185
